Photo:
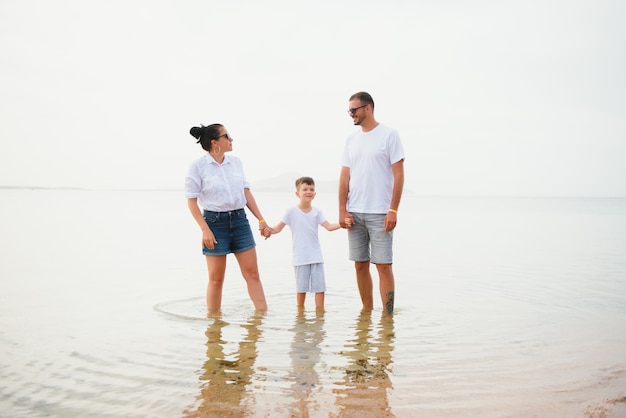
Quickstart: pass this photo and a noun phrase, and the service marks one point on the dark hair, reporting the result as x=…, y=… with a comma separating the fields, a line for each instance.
x=304, y=180
x=206, y=134
x=363, y=97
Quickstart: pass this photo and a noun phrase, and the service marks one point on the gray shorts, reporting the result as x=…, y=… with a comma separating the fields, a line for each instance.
x=310, y=278
x=368, y=239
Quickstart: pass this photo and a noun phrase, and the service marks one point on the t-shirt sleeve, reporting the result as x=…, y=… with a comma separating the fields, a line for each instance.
x=345, y=156
x=286, y=219
x=320, y=217
x=396, y=150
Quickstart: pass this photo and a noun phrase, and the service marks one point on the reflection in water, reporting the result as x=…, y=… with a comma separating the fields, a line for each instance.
x=225, y=377
x=365, y=387
x=305, y=352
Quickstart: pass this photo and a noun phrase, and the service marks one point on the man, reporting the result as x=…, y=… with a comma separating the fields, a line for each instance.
x=370, y=187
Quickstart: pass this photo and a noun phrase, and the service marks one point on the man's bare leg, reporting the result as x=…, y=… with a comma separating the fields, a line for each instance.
x=387, y=286
x=364, y=282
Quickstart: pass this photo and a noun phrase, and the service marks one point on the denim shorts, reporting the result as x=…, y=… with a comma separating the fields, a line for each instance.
x=310, y=278
x=368, y=239
x=231, y=230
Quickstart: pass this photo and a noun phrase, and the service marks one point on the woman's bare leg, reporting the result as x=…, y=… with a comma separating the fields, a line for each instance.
x=250, y=271
x=216, y=266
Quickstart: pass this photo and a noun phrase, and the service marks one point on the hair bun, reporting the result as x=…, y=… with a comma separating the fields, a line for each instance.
x=196, y=132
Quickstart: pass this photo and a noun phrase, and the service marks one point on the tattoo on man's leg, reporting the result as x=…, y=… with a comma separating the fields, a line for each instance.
x=389, y=303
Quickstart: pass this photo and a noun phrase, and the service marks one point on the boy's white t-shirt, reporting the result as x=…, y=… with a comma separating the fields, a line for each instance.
x=305, y=241
x=369, y=155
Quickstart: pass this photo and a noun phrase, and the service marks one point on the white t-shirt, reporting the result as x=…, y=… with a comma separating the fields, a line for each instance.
x=305, y=241
x=369, y=155
x=218, y=187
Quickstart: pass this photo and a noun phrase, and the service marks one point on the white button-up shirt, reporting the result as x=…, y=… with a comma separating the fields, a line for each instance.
x=218, y=187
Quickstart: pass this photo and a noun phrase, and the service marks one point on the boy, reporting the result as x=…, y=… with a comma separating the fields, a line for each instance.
x=308, y=263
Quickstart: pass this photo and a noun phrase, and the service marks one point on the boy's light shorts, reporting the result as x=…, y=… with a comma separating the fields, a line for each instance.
x=310, y=278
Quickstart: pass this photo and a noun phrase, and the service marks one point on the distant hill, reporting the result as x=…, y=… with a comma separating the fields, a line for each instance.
x=286, y=182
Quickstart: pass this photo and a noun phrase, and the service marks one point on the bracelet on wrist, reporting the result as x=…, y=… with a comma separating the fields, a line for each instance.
x=261, y=220
x=393, y=210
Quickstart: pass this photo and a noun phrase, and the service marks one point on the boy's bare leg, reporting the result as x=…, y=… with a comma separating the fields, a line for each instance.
x=300, y=298
x=319, y=300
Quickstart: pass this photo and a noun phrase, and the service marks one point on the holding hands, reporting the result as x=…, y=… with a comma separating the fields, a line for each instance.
x=348, y=219
x=265, y=230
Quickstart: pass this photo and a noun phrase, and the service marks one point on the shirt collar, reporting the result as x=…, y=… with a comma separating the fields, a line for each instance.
x=211, y=160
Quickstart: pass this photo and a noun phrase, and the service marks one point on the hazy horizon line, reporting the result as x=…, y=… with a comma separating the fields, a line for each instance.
x=269, y=190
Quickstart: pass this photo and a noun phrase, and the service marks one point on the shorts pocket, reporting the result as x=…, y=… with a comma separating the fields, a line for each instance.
x=211, y=217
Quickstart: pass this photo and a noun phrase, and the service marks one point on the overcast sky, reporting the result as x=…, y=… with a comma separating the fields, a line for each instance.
x=489, y=97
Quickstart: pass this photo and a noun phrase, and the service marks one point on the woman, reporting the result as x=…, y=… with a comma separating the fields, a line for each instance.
x=216, y=184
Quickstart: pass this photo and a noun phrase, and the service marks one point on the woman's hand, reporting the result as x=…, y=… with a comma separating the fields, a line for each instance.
x=208, y=239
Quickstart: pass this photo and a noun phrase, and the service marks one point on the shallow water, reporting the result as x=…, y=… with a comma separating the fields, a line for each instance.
x=504, y=308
